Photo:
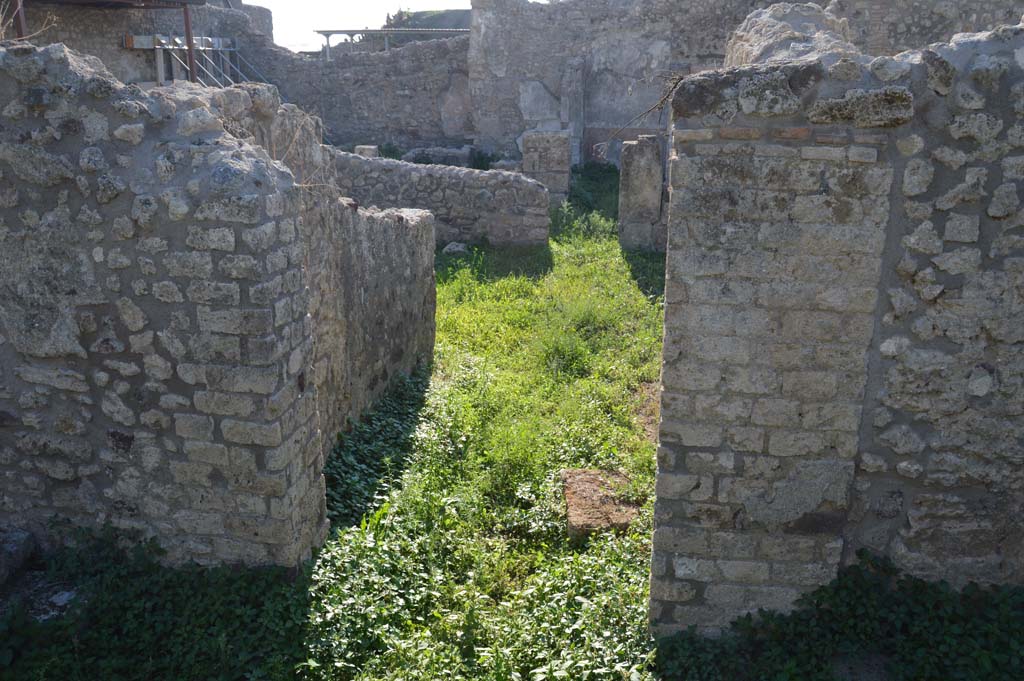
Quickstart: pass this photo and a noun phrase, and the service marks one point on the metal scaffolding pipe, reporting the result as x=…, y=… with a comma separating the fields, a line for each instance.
x=190, y=43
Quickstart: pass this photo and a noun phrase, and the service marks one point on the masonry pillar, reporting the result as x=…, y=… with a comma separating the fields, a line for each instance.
x=641, y=181
x=547, y=158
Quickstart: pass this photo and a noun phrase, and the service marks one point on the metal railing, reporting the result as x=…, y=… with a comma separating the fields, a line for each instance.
x=218, y=62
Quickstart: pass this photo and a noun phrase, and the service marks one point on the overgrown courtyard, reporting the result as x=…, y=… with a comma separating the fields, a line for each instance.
x=449, y=557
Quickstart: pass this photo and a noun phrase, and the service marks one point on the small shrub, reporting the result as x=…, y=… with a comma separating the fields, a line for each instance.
x=564, y=354
x=136, y=619
x=481, y=160
x=369, y=459
x=595, y=189
x=390, y=150
x=568, y=222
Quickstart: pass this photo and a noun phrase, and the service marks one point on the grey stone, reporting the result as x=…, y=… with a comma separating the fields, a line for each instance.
x=884, y=108
x=924, y=239
x=981, y=127
x=960, y=261
x=962, y=228
x=887, y=69
x=1005, y=201
x=917, y=177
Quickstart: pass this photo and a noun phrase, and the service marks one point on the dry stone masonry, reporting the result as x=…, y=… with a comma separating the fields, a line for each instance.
x=471, y=206
x=844, y=345
x=183, y=326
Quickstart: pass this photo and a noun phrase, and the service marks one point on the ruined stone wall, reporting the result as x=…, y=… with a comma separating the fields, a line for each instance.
x=547, y=158
x=580, y=64
x=591, y=67
x=417, y=95
x=892, y=26
x=100, y=32
x=179, y=321
x=843, y=347
x=474, y=206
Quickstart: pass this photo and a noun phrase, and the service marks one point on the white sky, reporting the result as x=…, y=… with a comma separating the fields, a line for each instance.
x=295, y=20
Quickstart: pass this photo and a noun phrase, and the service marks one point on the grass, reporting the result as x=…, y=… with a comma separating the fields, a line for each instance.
x=449, y=558
x=461, y=568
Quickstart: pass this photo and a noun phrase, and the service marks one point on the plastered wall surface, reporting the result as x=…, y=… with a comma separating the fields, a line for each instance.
x=843, y=344
x=183, y=328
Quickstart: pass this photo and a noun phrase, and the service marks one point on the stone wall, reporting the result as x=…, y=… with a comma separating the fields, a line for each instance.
x=592, y=67
x=587, y=68
x=641, y=195
x=892, y=26
x=417, y=95
x=843, y=348
x=474, y=206
x=182, y=327
x=101, y=32
x=413, y=96
x=547, y=158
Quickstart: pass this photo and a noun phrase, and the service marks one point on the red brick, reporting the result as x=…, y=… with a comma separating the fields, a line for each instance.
x=792, y=133
x=739, y=133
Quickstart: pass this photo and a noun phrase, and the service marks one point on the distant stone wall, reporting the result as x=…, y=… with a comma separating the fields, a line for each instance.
x=844, y=349
x=585, y=67
x=475, y=206
x=590, y=67
x=413, y=96
x=182, y=328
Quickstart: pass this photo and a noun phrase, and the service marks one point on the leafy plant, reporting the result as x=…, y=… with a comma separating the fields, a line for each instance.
x=390, y=150
x=925, y=631
x=481, y=160
x=595, y=189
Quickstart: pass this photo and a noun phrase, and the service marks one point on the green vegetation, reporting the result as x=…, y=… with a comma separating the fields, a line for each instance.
x=449, y=557
x=924, y=631
x=481, y=160
x=595, y=188
x=390, y=150
x=460, y=568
